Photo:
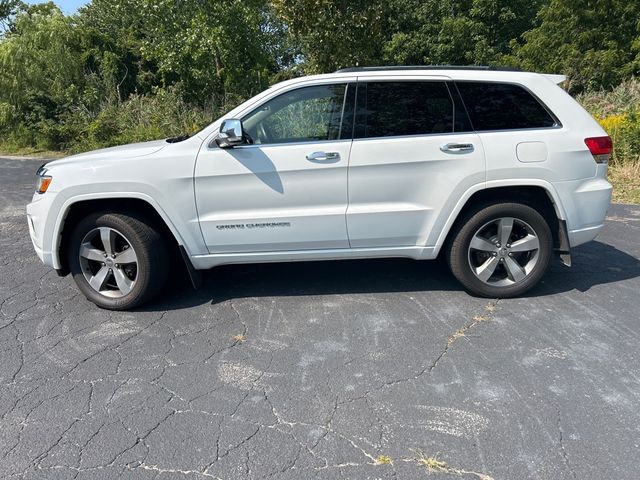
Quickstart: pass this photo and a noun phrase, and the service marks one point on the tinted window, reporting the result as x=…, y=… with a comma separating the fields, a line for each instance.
x=403, y=108
x=498, y=106
x=301, y=115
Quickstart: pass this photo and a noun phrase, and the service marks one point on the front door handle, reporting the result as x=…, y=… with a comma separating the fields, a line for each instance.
x=457, y=147
x=324, y=157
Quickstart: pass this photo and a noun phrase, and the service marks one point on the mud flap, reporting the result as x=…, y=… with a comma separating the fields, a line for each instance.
x=564, y=249
x=194, y=275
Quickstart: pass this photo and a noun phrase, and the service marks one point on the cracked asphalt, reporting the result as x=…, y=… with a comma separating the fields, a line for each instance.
x=364, y=369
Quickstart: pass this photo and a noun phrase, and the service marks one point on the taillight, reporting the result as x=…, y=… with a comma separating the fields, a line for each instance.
x=600, y=147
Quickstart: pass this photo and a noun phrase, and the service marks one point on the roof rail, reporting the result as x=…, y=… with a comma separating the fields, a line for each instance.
x=428, y=67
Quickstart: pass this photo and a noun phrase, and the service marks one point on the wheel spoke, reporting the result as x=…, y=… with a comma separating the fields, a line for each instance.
x=108, y=237
x=124, y=283
x=98, y=280
x=514, y=270
x=485, y=270
x=526, y=244
x=482, y=244
x=505, y=226
x=127, y=256
x=90, y=253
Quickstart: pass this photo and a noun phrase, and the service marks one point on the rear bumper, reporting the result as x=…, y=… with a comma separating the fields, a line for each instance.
x=585, y=203
x=578, y=237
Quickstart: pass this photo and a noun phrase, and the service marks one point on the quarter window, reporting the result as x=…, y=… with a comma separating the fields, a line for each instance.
x=388, y=109
x=501, y=106
x=303, y=115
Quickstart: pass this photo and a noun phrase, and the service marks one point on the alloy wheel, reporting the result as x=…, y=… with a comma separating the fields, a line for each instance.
x=504, y=251
x=108, y=262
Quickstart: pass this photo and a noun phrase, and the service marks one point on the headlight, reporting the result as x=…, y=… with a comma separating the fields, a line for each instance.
x=42, y=180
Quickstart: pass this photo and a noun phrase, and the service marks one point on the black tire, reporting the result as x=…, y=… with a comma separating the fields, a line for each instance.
x=460, y=255
x=152, y=259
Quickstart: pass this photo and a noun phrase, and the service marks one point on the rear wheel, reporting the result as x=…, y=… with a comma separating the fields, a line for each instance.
x=501, y=250
x=118, y=260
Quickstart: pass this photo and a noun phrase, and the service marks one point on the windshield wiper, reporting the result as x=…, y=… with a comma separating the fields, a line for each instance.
x=177, y=139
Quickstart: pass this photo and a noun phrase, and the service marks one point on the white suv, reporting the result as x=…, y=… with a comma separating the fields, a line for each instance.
x=497, y=169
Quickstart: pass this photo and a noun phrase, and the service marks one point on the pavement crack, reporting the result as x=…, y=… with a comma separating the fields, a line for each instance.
x=435, y=465
x=563, y=451
x=175, y=471
x=485, y=316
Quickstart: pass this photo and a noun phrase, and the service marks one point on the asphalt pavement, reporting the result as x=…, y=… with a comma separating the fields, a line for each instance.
x=353, y=369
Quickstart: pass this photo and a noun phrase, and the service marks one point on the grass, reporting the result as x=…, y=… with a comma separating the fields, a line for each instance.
x=384, y=460
x=625, y=179
x=618, y=111
x=432, y=464
x=435, y=465
x=30, y=152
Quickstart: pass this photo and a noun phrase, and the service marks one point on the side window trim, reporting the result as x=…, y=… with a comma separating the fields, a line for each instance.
x=360, y=116
x=459, y=110
x=348, y=112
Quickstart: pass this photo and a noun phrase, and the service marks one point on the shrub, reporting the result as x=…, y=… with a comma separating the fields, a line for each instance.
x=618, y=111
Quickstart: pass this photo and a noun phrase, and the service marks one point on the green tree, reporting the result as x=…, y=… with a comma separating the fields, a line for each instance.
x=335, y=33
x=467, y=32
x=8, y=9
x=208, y=50
x=41, y=69
x=590, y=41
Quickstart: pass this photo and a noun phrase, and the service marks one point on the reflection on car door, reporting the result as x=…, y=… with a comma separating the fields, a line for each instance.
x=287, y=190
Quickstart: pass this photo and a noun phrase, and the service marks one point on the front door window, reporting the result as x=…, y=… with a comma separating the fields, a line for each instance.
x=307, y=114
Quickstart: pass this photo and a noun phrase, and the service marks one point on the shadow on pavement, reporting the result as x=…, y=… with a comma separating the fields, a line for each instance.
x=595, y=263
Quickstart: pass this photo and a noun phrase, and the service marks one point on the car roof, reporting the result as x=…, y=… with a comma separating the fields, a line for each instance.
x=396, y=68
x=454, y=72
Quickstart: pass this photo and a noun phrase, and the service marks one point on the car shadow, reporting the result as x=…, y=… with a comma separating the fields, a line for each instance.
x=594, y=263
x=256, y=161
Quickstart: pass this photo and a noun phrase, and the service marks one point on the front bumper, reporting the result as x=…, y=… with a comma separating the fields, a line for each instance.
x=37, y=212
x=34, y=239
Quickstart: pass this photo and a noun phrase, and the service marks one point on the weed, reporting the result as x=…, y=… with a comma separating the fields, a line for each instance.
x=384, y=460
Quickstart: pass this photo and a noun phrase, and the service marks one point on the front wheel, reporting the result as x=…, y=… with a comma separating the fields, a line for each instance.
x=501, y=250
x=118, y=260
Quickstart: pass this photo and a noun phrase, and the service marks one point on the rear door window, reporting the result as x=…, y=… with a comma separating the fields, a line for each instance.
x=503, y=106
x=388, y=109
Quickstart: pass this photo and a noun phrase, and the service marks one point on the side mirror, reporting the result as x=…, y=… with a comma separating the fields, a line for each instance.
x=231, y=134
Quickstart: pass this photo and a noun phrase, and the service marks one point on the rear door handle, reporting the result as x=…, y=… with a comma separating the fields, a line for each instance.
x=457, y=147
x=324, y=157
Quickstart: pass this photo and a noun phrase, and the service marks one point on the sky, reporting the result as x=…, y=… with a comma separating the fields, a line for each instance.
x=67, y=6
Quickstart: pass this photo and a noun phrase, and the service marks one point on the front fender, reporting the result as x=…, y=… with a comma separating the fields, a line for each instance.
x=180, y=217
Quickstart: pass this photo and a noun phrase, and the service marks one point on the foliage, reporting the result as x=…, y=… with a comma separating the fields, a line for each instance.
x=470, y=32
x=41, y=72
x=625, y=179
x=138, y=119
x=8, y=9
x=595, y=43
x=334, y=34
x=201, y=47
x=618, y=111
